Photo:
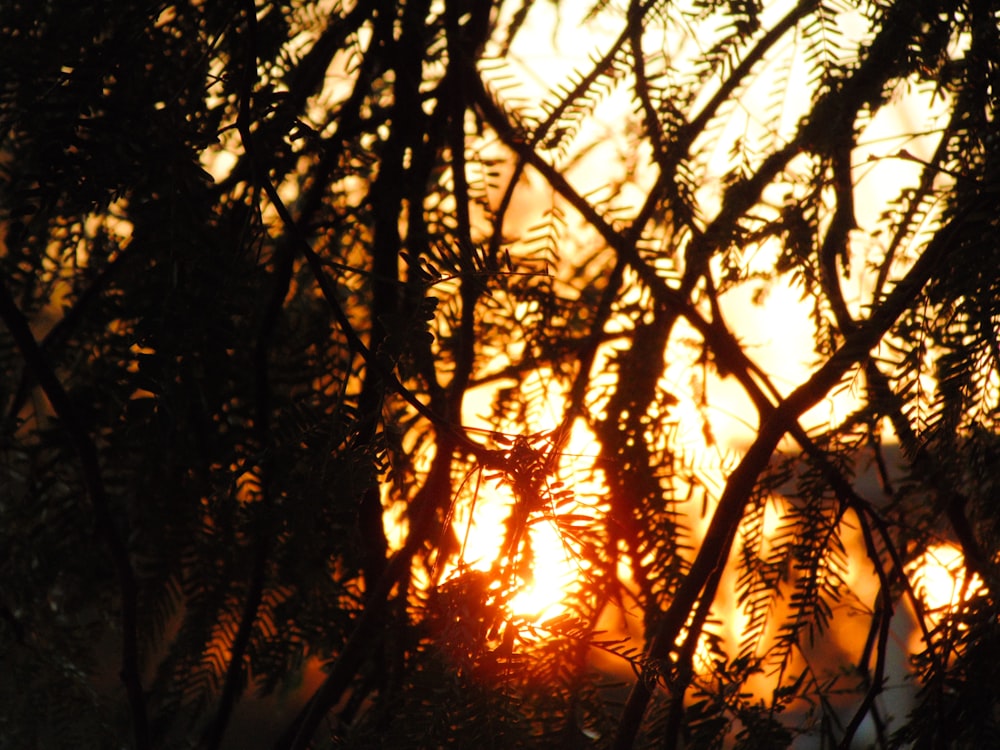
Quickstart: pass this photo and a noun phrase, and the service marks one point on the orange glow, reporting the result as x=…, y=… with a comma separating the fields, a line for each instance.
x=479, y=522
x=483, y=504
x=939, y=579
x=715, y=420
x=554, y=572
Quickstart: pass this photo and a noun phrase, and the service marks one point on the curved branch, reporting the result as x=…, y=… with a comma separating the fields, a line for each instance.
x=739, y=487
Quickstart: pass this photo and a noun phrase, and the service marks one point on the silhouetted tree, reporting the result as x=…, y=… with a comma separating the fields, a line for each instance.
x=292, y=291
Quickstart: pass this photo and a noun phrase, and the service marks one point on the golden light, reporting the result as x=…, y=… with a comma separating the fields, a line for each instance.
x=553, y=572
x=554, y=561
x=540, y=593
x=715, y=419
x=941, y=581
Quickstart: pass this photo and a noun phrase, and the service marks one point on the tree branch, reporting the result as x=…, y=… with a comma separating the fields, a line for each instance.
x=739, y=487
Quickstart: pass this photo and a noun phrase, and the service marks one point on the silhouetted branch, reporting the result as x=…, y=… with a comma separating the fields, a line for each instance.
x=739, y=487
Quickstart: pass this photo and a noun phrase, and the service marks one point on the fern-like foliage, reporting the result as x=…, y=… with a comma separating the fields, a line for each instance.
x=335, y=333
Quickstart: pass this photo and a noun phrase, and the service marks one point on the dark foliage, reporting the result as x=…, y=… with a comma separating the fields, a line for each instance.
x=306, y=305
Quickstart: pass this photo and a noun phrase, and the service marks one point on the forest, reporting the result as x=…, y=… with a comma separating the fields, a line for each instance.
x=499, y=374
